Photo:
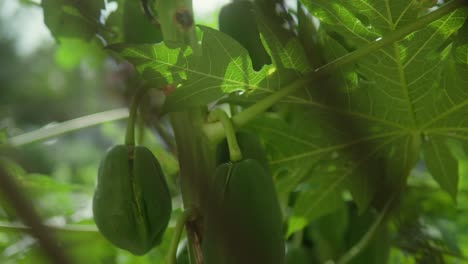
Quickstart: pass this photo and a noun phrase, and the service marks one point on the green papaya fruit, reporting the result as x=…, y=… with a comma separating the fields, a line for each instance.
x=237, y=20
x=131, y=203
x=298, y=255
x=244, y=224
x=250, y=146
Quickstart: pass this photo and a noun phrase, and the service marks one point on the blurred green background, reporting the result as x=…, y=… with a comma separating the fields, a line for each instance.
x=41, y=84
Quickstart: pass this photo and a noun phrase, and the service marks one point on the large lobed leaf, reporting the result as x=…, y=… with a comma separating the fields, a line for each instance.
x=408, y=96
x=364, y=127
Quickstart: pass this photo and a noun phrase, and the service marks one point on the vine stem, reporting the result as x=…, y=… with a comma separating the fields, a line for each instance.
x=221, y=116
x=132, y=119
x=183, y=218
x=214, y=131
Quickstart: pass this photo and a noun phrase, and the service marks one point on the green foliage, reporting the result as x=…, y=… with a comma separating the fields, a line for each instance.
x=389, y=125
x=400, y=88
x=225, y=67
x=77, y=19
x=130, y=25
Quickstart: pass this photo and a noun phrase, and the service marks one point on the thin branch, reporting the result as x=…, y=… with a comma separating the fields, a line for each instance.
x=67, y=127
x=14, y=227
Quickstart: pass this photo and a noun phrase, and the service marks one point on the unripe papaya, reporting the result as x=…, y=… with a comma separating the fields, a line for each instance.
x=244, y=222
x=250, y=146
x=131, y=203
x=298, y=255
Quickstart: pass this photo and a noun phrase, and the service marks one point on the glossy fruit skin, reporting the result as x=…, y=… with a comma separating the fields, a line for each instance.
x=131, y=203
x=250, y=146
x=244, y=225
x=298, y=255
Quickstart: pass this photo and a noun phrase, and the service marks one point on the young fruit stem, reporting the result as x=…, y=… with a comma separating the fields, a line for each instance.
x=132, y=118
x=221, y=116
x=130, y=132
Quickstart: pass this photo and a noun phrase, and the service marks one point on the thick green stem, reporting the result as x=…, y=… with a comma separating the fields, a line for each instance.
x=132, y=118
x=183, y=218
x=176, y=19
x=221, y=116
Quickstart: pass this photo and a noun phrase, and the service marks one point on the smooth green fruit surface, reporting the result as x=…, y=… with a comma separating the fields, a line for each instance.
x=298, y=255
x=131, y=203
x=244, y=223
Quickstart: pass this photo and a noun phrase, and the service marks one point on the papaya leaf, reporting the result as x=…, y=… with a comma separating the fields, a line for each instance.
x=442, y=165
x=371, y=120
x=157, y=62
x=284, y=48
x=73, y=19
x=129, y=25
x=223, y=67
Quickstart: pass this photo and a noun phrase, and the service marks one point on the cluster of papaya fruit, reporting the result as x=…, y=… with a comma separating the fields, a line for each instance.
x=132, y=203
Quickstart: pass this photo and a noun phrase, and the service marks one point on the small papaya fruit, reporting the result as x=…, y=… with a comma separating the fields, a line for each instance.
x=244, y=225
x=131, y=202
x=298, y=255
